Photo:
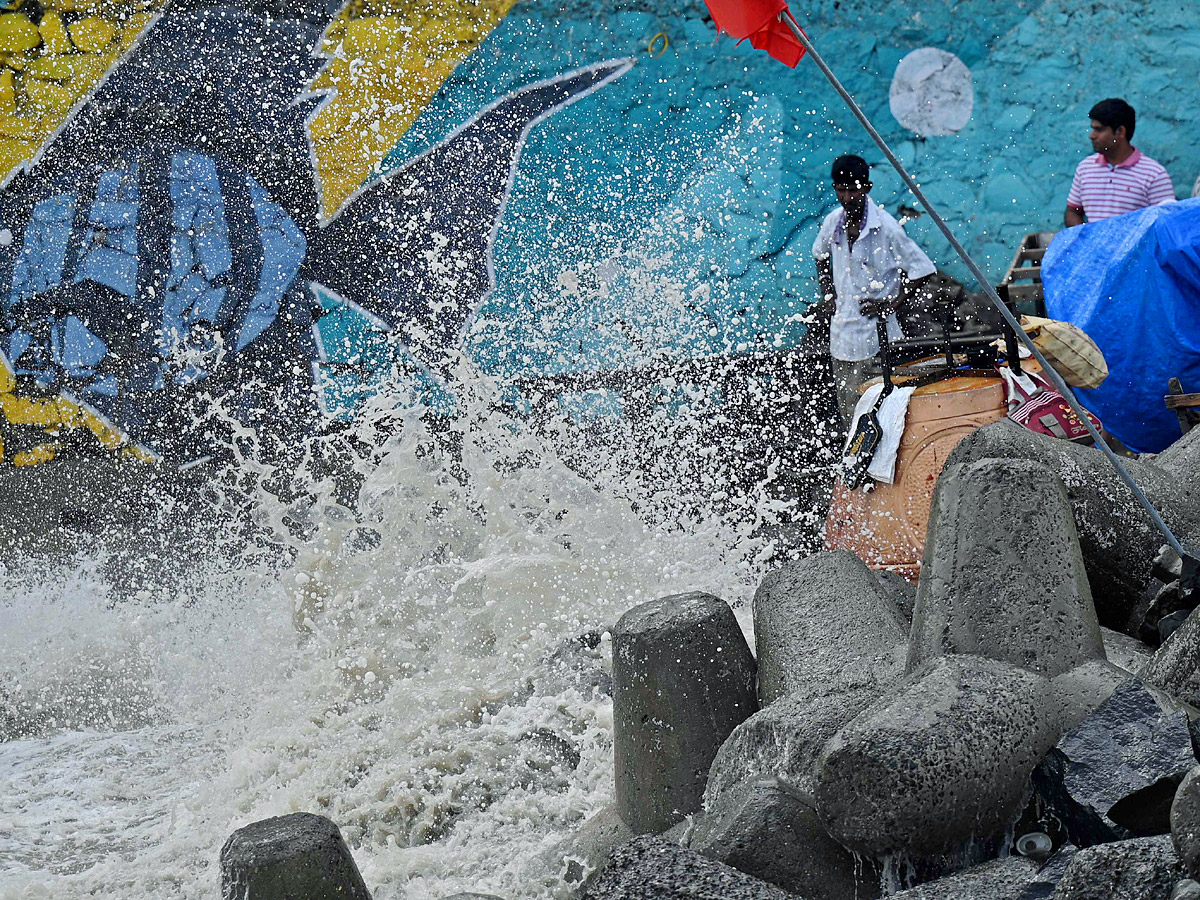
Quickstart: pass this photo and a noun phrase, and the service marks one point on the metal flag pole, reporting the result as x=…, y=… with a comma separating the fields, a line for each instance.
x=1047, y=369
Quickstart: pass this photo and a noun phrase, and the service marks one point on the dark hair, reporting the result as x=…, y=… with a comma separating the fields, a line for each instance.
x=1114, y=113
x=850, y=169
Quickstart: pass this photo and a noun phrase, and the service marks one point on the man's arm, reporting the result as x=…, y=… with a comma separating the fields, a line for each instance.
x=1072, y=217
x=825, y=278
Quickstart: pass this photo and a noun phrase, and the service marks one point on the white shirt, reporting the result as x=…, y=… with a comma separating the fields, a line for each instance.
x=869, y=271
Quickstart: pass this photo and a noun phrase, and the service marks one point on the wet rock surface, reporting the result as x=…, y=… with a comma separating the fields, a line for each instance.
x=287, y=857
x=824, y=619
x=1185, y=821
x=785, y=739
x=768, y=830
x=683, y=679
x=1140, y=868
x=1114, y=776
x=649, y=868
x=999, y=527
x=943, y=759
x=999, y=879
x=970, y=750
x=1175, y=667
x=579, y=856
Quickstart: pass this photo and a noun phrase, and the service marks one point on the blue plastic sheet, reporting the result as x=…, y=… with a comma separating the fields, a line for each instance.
x=1133, y=284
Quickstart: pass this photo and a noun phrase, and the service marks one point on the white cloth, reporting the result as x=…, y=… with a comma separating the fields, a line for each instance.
x=869, y=271
x=892, y=413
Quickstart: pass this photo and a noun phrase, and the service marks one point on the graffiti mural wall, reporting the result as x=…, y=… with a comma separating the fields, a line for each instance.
x=282, y=204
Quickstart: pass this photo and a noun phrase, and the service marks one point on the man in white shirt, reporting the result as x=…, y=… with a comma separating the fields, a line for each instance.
x=867, y=265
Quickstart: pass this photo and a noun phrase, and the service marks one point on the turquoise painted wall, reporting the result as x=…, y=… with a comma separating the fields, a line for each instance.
x=673, y=211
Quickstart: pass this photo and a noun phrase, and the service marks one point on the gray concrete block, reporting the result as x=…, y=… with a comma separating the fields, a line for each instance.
x=579, y=856
x=1185, y=821
x=1127, y=652
x=942, y=761
x=649, y=868
x=1081, y=691
x=1118, y=540
x=901, y=591
x=1138, y=869
x=999, y=879
x=1175, y=666
x=1003, y=574
x=767, y=830
x=683, y=679
x=823, y=618
x=785, y=739
x=297, y=857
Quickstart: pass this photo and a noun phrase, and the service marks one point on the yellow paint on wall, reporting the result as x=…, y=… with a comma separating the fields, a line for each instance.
x=388, y=60
x=45, y=69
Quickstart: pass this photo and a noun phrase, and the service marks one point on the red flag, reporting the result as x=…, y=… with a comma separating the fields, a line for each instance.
x=758, y=21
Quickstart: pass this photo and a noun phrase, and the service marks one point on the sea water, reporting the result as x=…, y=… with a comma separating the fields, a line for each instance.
x=428, y=670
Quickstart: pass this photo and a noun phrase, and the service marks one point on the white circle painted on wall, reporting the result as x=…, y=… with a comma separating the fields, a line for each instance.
x=931, y=93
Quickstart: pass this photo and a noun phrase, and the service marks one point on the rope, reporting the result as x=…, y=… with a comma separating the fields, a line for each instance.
x=1047, y=369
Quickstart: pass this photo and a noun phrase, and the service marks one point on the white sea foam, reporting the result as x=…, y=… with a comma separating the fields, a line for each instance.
x=416, y=673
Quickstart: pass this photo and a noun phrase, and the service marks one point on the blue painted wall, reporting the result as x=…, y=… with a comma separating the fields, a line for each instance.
x=674, y=210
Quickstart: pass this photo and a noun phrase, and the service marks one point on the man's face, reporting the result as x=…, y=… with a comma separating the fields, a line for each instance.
x=853, y=196
x=1104, y=139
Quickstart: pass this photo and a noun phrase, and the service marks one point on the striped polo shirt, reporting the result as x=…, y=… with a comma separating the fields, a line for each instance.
x=1102, y=190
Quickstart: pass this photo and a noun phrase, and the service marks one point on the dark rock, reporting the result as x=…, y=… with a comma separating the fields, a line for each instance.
x=785, y=739
x=545, y=750
x=1042, y=886
x=767, y=830
x=296, y=857
x=1000, y=879
x=824, y=618
x=1118, y=540
x=649, y=868
x=1185, y=821
x=942, y=761
x=1114, y=775
x=1138, y=869
x=683, y=679
x=1003, y=575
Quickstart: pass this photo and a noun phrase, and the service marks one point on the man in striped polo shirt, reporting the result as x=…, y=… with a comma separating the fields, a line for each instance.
x=1119, y=178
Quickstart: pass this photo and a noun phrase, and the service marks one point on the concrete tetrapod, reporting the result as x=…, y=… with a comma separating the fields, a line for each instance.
x=1118, y=541
x=826, y=619
x=297, y=857
x=650, y=868
x=1003, y=574
x=941, y=762
x=1142, y=867
x=769, y=830
x=683, y=679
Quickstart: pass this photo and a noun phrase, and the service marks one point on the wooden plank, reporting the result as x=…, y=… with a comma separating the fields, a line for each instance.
x=1182, y=401
x=1018, y=293
x=1035, y=255
x=1025, y=273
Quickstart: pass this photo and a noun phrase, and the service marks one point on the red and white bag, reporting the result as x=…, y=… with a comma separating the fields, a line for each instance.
x=1036, y=404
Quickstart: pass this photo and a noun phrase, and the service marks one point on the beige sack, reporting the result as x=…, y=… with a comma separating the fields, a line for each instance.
x=1067, y=347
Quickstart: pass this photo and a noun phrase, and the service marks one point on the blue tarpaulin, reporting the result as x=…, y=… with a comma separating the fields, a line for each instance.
x=1133, y=284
